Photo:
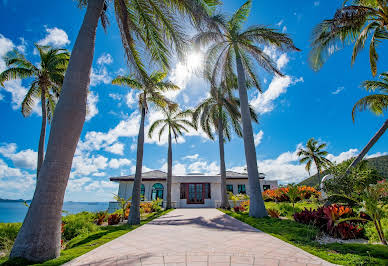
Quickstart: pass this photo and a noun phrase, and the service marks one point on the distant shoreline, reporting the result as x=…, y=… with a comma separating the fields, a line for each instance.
x=22, y=200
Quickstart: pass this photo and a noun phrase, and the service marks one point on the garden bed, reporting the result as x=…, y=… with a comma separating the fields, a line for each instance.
x=304, y=237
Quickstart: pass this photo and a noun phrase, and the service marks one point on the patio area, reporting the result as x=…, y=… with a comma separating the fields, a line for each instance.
x=197, y=237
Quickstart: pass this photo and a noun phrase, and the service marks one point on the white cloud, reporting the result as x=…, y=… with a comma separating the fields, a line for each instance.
x=100, y=186
x=338, y=90
x=133, y=147
x=203, y=167
x=100, y=76
x=131, y=98
x=282, y=61
x=105, y=59
x=76, y=185
x=117, y=148
x=115, y=96
x=84, y=165
x=191, y=157
x=263, y=102
x=258, y=137
x=117, y=163
x=378, y=154
x=6, y=171
x=22, y=46
x=280, y=23
x=284, y=29
x=343, y=156
x=55, y=37
x=92, y=109
x=144, y=169
x=22, y=159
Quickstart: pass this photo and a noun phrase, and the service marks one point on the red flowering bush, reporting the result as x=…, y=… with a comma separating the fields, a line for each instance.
x=114, y=219
x=280, y=194
x=239, y=208
x=328, y=220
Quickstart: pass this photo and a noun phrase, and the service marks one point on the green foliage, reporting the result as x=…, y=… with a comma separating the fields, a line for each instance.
x=371, y=232
x=303, y=236
x=287, y=209
x=79, y=224
x=352, y=184
x=8, y=233
x=124, y=204
x=157, y=205
x=293, y=193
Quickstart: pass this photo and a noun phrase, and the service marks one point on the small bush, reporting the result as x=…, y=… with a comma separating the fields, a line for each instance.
x=77, y=224
x=114, y=219
x=156, y=205
x=238, y=208
x=8, y=233
x=273, y=213
x=101, y=217
x=286, y=209
x=146, y=207
x=371, y=232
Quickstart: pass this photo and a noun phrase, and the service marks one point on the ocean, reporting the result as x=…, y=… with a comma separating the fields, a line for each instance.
x=14, y=212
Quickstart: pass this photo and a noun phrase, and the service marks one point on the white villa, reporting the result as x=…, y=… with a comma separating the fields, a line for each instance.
x=188, y=191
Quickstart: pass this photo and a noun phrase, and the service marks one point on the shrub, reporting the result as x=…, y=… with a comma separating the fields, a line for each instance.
x=77, y=224
x=273, y=213
x=146, y=207
x=8, y=233
x=347, y=231
x=101, y=217
x=281, y=194
x=114, y=218
x=156, y=205
x=286, y=209
x=238, y=208
x=245, y=205
x=371, y=232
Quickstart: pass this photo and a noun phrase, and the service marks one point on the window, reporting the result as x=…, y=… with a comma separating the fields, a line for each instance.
x=241, y=189
x=266, y=187
x=157, y=191
x=229, y=188
x=142, y=192
x=183, y=191
x=207, y=191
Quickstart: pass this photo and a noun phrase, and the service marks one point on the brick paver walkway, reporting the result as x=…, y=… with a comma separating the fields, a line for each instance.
x=197, y=237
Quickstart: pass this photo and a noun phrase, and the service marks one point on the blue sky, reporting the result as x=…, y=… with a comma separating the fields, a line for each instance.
x=304, y=104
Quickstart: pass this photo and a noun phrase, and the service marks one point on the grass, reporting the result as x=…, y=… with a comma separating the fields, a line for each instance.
x=303, y=236
x=85, y=243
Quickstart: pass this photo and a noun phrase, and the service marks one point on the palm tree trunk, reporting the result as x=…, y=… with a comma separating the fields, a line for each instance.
x=169, y=171
x=256, y=203
x=42, y=131
x=224, y=195
x=368, y=146
x=39, y=238
x=134, y=213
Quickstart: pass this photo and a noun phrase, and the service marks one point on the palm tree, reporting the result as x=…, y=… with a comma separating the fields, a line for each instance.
x=314, y=153
x=151, y=89
x=175, y=121
x=229, y=48
x=361, y=21
x=376, y=103
x=219, y=112
x=46, y=84
x=154, y=25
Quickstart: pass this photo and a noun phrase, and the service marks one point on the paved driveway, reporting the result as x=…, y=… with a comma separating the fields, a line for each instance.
x=197, y=237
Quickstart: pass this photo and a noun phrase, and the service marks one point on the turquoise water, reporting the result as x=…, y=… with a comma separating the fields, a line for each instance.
x=13, y=212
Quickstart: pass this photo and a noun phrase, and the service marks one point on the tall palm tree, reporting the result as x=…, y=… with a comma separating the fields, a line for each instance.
x=314, y=153
x=175, y=121
x=229, y=48
x=39, y=237
x=376, y=103
x=357, y=23
x=220, y=112
x=151, y=89
x=46, y=84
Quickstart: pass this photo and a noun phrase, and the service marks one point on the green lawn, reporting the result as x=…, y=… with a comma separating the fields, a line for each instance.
x=85, y=243
x=302, y=236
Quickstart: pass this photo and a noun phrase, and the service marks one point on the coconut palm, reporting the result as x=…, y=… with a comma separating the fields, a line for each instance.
x=175, y=121
x=151, y=89
x=314, y=154
x=220, y=112
x=46, y=84
x=362, y=21
x=376, y=103
x=155, y=26
x=231, y=48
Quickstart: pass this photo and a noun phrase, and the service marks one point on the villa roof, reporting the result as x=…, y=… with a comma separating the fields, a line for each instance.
x=157, y=175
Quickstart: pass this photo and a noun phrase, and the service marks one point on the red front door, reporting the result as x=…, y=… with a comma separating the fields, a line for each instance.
x=195, y=194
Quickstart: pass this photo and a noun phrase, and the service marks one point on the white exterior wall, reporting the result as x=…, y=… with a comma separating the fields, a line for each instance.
x=125, y=190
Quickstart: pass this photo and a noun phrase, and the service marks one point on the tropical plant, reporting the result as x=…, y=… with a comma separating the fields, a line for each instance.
x=376, y=103
x=228, y=48
x=154, y=25
x=151, y=89
x=101, y=217
x=359, y=22
x=175, y=121
x=220, y=112
x=314, y=153
x=293, y=194
x=273, y=213
x=157, y=205
x=114, y=219
x=47, y=79
x=123, y=204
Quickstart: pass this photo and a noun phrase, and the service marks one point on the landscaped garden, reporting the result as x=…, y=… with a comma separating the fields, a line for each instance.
x=82, y=232
x=348, y=226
